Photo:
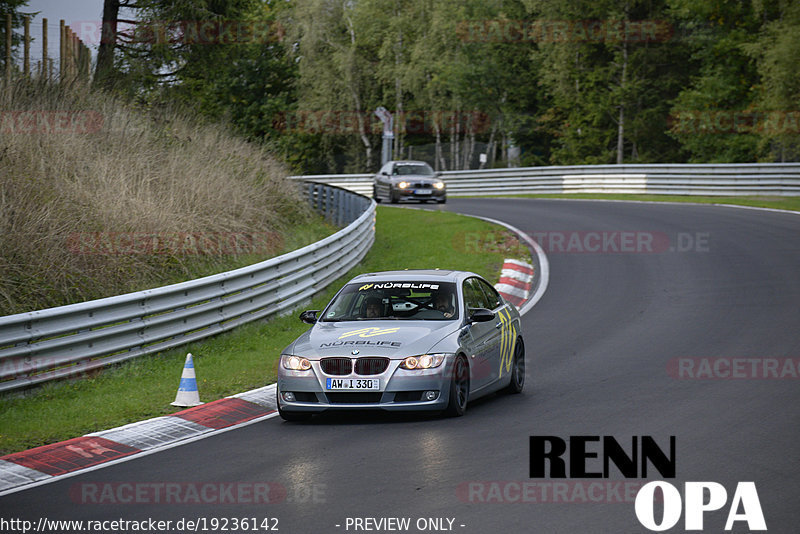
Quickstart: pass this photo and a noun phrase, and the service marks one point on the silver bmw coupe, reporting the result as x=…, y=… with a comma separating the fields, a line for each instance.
x=403, y=340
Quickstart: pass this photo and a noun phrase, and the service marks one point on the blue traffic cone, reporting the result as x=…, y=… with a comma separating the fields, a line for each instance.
x=187, y=391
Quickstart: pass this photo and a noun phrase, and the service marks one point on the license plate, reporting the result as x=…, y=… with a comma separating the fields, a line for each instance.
x=423, y=191
x=369, y=384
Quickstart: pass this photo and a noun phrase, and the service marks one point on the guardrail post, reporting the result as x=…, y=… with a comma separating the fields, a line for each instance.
x=338, y=205
x=329, y=203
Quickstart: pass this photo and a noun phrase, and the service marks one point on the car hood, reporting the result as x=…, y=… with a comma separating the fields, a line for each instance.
x=393, y=339
x=415, y=177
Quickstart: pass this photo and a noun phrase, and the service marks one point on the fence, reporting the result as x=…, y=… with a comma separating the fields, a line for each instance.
x=669, y=179
x=69, y=340
x=74, y=60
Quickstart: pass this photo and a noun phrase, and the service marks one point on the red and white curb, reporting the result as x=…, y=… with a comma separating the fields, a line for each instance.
x=22, y=470
x=516, y=281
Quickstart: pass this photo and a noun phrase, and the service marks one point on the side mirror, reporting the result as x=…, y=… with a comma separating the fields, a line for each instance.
x=384, y=173
x=481, y=315
x=309, y=316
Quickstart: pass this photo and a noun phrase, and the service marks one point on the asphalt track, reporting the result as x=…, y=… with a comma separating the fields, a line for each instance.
x=602, y=348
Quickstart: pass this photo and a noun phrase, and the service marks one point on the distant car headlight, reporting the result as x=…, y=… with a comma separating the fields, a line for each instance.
x=403, y=185
x=426, y=361
x=439, y=185
x=295, y=363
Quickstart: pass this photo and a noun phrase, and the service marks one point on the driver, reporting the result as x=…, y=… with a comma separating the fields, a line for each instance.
x=443, y=303
x=372, y=308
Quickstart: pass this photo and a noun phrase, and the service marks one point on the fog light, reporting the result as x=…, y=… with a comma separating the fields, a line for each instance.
x=288, y=396
x=430, y=395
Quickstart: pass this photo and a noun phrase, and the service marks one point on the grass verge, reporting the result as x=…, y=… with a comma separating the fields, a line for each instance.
x=100, y=197
x=775, y=202
x=247, y=357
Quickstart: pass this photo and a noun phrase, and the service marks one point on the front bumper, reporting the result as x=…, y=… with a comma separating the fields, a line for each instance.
x=421, y=194
x=400, y=390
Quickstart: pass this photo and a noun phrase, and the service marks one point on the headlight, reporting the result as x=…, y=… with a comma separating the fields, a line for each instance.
x=403, y=185
x=439, y=185
x=295, y=363
x=426, y=361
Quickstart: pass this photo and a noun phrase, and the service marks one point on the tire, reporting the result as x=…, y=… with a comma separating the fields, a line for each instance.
x=292, y=416
x=442, y=201
x=392, y=198
x=375, y=196
x=517, y=369
x=459, y=388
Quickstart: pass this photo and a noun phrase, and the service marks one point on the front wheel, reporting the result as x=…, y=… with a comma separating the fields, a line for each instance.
x=393, y=198
x=517, y=369
x=442, y=200
x=459, y=388
x=375, y=196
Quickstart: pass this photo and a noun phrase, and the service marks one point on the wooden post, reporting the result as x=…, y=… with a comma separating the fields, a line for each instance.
x=8, y=46
x=82, y=58
x=68, y=52
x=44, y=49
x=88, y=62
x=62, y=60
x=75, y=52
x=26, y=69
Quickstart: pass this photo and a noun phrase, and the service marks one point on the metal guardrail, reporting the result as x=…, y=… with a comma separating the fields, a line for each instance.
x=69, y=340
x=668, y=179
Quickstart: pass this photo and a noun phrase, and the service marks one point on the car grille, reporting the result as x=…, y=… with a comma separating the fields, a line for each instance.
x=354, y=398
x=363, y=366
x=371, y=366
x=336, y=366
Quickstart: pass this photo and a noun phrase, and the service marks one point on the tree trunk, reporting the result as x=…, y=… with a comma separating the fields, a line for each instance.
x=489, y=149
x=453, y=142
x=621, y=121
x=398, y=89
x=438, y=161
x=469, y=148
x=360, y=118
x=457, y=141
x=108, y=42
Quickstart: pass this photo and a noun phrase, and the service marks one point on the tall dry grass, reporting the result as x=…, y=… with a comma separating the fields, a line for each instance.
x=112, y=169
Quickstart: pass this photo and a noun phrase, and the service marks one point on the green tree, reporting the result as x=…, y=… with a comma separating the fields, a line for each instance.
x=10, y=7
x=777, y=54
x=723, y=84
x=609, y=70
x=336, y=87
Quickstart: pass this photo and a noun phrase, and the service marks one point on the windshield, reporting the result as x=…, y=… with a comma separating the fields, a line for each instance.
x=430, y=301
x=422, y=169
